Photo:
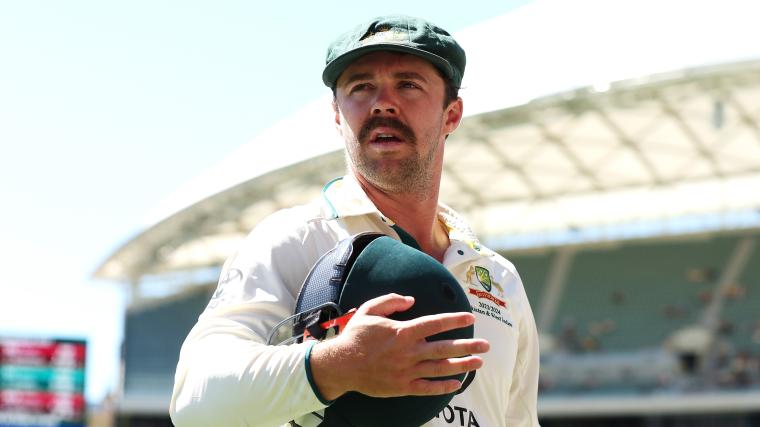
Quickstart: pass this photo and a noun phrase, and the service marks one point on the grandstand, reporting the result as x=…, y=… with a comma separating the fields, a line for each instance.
x=623, y=331
x=623, y=187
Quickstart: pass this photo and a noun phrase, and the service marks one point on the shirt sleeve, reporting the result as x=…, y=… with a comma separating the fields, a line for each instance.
x=227, y=375
x=522, y=408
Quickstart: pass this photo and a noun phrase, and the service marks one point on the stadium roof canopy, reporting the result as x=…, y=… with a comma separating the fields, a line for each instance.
x=585, y=121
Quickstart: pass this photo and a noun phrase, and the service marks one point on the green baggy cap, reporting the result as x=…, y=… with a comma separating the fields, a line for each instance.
x=396, y=33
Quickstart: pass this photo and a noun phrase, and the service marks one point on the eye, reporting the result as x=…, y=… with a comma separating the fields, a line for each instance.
x=409, y=85
x=360, y=87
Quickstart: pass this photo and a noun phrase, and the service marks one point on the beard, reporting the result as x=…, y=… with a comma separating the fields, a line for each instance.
x=411, y=175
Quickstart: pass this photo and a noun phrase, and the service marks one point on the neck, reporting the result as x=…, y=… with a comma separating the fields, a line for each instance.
x=416, y=213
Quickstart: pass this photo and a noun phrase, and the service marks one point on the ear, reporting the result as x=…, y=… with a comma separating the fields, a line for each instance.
x=336, y=118
x=336, y=111
x=452, y=116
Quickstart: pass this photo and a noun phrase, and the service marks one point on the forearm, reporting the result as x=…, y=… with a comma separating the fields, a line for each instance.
x=228, y=380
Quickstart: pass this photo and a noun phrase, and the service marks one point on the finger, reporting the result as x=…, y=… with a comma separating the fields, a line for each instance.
x=444, y=349
x=386, y=305
x=425, y=326
x=446, y=367
x=423, y=387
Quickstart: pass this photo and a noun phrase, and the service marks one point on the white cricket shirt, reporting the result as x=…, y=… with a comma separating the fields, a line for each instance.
x=227, y=376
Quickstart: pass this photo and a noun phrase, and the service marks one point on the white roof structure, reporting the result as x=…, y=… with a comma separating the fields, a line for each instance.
x=586, y=120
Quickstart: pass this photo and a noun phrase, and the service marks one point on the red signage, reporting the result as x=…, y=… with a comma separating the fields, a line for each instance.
x=42, y=382
x=42, y=352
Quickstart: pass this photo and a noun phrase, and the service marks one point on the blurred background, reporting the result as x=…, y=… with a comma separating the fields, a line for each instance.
x=610, y=150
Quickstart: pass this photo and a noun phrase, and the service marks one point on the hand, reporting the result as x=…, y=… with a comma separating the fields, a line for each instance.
x=382, y=357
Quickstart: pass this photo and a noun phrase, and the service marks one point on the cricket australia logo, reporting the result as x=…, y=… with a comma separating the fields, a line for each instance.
x=496, y=305
x=477, y=275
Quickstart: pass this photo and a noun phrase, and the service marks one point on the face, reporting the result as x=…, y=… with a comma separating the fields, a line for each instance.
x=389, y=109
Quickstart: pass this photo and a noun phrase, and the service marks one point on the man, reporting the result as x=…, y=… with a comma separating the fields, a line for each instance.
x=395, y=82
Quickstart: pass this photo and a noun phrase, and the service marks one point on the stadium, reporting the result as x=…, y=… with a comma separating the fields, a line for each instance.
x=610, y=150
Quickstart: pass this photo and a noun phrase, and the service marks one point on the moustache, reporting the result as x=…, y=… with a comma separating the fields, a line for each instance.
x=374, y=122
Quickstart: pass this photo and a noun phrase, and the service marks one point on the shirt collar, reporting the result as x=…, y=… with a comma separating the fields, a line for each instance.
x=344, y=197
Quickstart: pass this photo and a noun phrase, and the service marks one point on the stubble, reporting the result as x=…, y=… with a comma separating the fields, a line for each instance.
x=412, y=175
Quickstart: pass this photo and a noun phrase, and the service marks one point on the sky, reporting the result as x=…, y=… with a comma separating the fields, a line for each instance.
x=108, y=107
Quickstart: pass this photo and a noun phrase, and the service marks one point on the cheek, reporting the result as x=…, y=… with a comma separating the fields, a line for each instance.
x=350, y=122
x=345, y=129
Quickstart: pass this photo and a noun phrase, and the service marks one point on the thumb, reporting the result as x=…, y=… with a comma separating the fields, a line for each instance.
x=386, y=305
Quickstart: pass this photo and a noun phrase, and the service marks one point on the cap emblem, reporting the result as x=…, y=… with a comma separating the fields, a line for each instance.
x=384, y=35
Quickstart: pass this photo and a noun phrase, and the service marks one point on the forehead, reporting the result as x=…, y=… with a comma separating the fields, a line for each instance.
x=377, y=63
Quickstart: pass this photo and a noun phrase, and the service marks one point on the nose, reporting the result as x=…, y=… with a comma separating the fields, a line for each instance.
x=384, y=103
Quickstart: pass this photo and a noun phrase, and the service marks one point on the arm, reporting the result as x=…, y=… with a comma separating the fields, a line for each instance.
x=374, y=355
x=225, y=378
x=226, y=375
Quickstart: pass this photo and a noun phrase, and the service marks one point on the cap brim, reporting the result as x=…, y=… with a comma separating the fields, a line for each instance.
x=335, y=68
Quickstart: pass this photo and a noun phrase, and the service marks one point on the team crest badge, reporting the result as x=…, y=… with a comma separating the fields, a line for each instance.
x=484, y=287
x=478, y=276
